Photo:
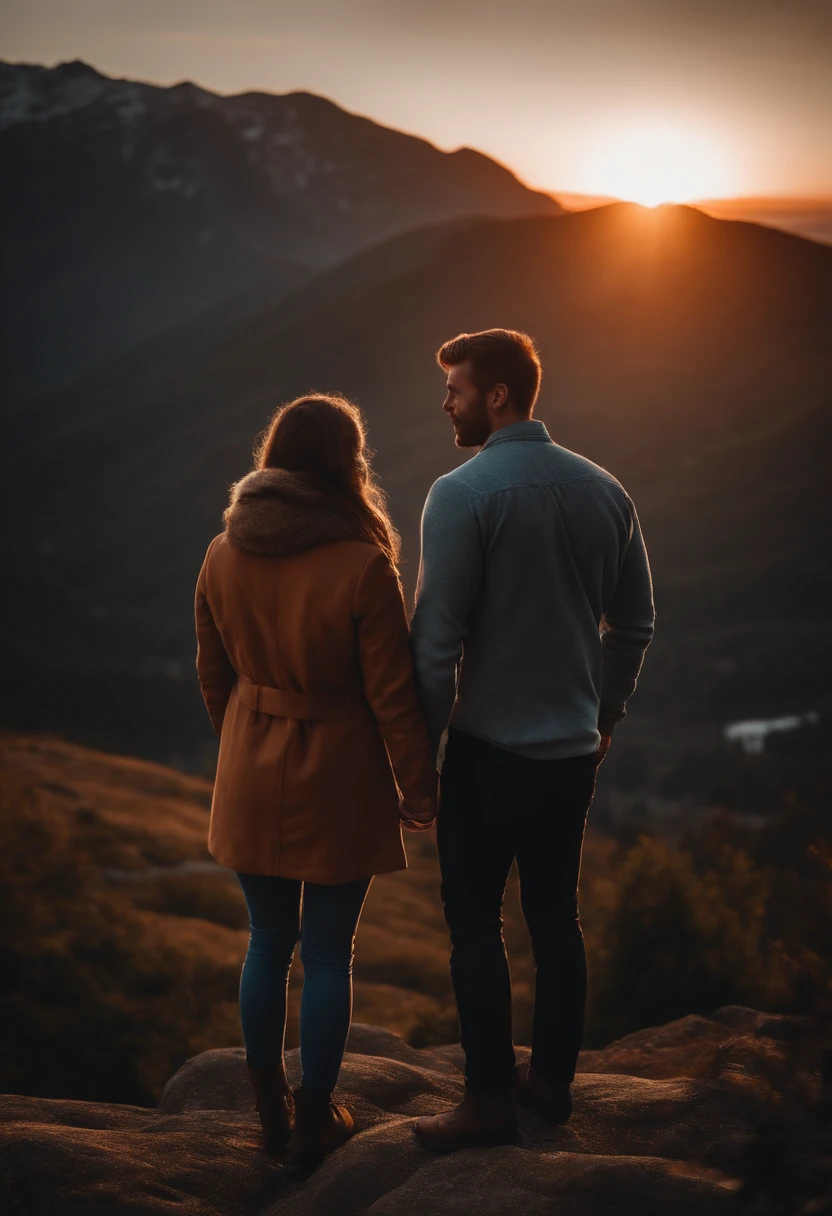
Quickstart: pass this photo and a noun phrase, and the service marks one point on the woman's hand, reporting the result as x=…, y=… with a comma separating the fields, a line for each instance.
x=417, y=814
x=603, y=748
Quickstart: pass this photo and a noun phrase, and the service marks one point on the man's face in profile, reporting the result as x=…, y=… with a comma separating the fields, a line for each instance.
x=467, y=407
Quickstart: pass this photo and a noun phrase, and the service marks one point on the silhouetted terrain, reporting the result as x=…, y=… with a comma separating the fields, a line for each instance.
x=803, y=216
x=689, y=355
x=811, y=217
x=127, y=207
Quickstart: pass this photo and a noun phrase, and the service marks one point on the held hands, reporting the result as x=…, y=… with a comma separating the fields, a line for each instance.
x=417, y=814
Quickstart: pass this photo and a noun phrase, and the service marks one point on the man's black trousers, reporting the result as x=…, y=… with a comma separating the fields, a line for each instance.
x=496, y=806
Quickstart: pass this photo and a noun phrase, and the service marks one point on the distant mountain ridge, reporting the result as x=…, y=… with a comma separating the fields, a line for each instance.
x=802, y=216
x=807, y=217
x=128, y=207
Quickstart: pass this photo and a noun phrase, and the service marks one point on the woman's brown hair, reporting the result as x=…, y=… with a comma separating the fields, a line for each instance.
x=323, y=438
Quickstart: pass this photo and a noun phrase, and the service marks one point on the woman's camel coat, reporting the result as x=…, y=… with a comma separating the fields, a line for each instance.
x=304, y=664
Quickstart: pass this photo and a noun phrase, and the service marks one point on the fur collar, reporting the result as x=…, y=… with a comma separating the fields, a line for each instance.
x=275, y=513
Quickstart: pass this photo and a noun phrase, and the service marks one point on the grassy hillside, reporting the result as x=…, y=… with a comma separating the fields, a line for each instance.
x=121, y=942
x=125, y=940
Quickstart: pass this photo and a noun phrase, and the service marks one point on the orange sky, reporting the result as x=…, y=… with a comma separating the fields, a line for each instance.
x=654, y=100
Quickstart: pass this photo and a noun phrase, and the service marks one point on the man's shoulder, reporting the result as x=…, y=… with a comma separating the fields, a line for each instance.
x=455, y=486
x=571, y=466
x=495, y=471
x=509, y=465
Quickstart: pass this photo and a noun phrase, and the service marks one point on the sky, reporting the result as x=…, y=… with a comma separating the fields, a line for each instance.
x=654, y=100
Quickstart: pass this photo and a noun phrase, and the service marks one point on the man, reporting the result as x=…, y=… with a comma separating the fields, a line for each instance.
x=534, y=607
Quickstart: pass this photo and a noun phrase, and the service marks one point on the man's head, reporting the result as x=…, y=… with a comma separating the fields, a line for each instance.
x=493, y=380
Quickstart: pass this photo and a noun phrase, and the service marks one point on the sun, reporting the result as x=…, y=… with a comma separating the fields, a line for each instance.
x=655, y=162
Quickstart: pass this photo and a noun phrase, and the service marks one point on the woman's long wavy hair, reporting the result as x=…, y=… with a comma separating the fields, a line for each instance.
x=323, y=439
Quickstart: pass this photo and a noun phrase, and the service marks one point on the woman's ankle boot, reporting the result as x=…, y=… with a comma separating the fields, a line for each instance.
x=275, y=1104
x=320, y=1126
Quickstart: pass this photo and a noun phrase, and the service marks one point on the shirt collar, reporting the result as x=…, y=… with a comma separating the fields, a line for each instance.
x=529, y=428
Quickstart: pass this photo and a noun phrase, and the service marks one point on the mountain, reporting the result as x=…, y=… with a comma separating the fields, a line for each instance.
x=128, y=207
x=688, y=355
x=809, y=217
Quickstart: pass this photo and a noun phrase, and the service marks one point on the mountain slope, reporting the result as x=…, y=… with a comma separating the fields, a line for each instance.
x=689, y=355
x=801, y=216
x=809, y=217
x=129, y=207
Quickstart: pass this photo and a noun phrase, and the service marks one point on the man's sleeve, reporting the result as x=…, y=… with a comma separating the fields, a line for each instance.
x=450, y=573
x=626, y=630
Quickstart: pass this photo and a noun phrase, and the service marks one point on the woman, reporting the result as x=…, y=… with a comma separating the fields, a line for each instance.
x=304, y=664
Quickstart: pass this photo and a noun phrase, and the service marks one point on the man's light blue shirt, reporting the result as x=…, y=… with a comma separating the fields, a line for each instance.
x=534, y=602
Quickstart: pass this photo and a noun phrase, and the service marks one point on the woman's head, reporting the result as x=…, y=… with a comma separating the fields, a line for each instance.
x=323, y=439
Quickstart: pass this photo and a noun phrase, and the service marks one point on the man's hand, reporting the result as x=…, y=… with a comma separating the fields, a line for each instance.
x=416, y=825
x=418, y=815
x=603, y=748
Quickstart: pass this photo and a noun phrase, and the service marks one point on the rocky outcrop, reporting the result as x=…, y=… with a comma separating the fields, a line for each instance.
x=733, y=1042
x=661, y=1123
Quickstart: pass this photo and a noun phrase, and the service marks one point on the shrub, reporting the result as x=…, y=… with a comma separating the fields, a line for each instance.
x=734, y=915
x=96, y=1003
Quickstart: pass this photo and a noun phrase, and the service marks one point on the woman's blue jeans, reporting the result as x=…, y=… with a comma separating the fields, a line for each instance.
x=326, y=928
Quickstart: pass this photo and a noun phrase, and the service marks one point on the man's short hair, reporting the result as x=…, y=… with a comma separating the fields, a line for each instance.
x=498, y=356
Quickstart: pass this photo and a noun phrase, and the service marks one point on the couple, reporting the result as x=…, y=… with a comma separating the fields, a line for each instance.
x=533, y=611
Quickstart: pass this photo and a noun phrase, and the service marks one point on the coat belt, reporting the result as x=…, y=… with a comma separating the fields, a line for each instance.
x=281, y=703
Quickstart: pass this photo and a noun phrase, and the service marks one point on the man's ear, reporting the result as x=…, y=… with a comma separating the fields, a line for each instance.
x=499, y=396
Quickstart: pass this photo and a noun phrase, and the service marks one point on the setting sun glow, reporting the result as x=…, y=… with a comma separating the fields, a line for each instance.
x=653, y=163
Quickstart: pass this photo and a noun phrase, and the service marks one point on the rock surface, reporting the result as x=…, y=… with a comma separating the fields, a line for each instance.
x=661, y=1119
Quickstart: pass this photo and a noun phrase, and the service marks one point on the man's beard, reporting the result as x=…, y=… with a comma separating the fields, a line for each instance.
x=474, y=431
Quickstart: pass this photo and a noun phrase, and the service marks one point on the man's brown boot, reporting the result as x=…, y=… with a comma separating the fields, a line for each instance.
x=552, y=1102
x=320, y=1127
x=480, y=1121
x=275, y=1104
